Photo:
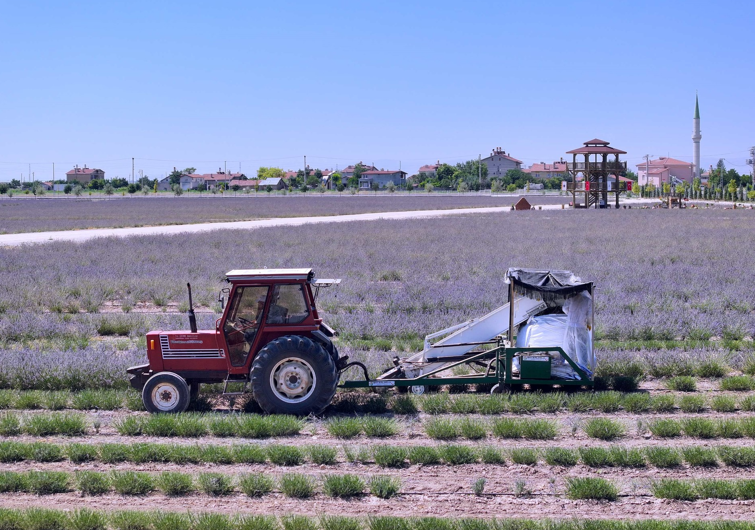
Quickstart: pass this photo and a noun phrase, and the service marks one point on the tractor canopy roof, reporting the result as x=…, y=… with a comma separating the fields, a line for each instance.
x=546, y=285
x=269, y=274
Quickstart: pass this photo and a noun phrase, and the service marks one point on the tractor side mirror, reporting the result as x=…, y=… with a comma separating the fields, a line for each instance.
x=221, y=298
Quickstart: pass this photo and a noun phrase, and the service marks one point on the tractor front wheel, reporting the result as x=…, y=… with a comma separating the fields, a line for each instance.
x=293, y=375
x=166, y=392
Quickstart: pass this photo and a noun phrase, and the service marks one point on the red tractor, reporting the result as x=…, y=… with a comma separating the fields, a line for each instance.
x=269, y=336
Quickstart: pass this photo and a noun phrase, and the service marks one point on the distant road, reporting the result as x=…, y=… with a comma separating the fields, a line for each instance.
x=86, y=235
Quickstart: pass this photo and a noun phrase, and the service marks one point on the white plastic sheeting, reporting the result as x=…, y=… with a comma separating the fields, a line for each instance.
x=571, y=331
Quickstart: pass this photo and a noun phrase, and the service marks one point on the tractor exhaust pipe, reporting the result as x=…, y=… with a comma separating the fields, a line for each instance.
x=192, y=316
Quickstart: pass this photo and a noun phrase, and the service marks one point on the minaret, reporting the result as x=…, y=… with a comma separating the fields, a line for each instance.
x=696, y=136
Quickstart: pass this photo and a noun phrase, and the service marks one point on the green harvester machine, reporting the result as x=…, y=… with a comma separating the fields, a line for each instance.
x=541, y=337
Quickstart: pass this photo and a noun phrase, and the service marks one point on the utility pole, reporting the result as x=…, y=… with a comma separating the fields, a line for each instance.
x=225, y=167
x=721, y=170
x=53, y=172
x=305, y=169
x=751, y=161
x=647, y=168
x=132, y=170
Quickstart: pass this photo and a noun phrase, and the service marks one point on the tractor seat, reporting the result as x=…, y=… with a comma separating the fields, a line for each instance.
x=277, y=314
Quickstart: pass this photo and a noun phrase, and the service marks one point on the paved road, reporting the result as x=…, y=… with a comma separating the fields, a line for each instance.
x=85, y=235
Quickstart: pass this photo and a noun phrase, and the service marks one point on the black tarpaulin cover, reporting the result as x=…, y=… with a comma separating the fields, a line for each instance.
x=549, y=285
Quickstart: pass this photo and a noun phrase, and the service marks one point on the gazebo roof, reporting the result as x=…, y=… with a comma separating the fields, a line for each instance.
x=596, y=146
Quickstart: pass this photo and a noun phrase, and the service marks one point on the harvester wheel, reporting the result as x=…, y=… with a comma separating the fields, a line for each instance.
x=293, y=375
x=166, y=392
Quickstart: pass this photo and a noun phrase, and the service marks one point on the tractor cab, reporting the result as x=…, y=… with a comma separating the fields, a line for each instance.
x=269, y=335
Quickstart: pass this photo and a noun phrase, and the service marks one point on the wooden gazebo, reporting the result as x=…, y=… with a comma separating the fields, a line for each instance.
x=600, y=176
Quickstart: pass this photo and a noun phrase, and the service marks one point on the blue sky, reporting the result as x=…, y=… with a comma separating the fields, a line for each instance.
x=250, y=83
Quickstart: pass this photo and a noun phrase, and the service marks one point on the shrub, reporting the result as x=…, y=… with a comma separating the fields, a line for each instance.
x=215, y=484
x=737, y=456
x=673, y=489
x=44, y=452
x=11, y=482
x=384, y=487
x=148, y=452
x=189, y=426
x=591, y=488
x=442, y=428
x=255, y=484
x=344, y=427
x=79, y=453
x=579, y=402
x=524, y=456
x=663, y=457
x=637, y=402
x=92, y=482
x=746, y=489
x=478, y=486
x=716, y=489
x=711, y=368
x=472, y=429
x=737, y=383
x=662, y=403
x=423, y=455
x=213, y=454
x=132, y=482
x=44, y=519
x=747, y=426
x=86, y=519
x=162, y=425
x=464, y=404
x=359, y=454
x=343, y=486
x=522, y=403
x=491, y=455
x=692, y=404
x=607, y=401
x=507, y=428
x=174, y=484
x=29, y=400
x=699, y=428
x=623, y=457
x=682, y=383
x=248, y=454
x=334, y=522
x=404, y=405
x=171, y=521
x=55, y=400
x=456, y=455
x=285, y=455
x=665, y=428
x=558, y=456
x=551, y=403
x=129, y=426
x=729, y=429
x=748, y=403
x=539, y=429
x=114, y=453
x=389, y=456
x=700, y=456
x=10, y=425
x=595, y=456
x=131, y=521
x=298, y=522
x=207, y=520
x=322, y=455
x=297, y=486
x=439, y=403
x=379, y=427
x=11, y=451
x=51, y=424
x=492, y=404
x=603, y=429
x=48, y=482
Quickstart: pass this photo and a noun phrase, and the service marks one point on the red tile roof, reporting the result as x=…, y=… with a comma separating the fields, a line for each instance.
x=429, y=167
x=244, y=183
x=558, y=167
x=82, y=171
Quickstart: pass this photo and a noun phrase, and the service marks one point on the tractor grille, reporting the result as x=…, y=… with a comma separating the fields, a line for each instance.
x=183, y=353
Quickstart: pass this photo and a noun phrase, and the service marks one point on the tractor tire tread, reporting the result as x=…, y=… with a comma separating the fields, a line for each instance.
x=320, y=360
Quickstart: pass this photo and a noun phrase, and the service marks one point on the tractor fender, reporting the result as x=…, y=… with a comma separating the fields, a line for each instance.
x=138, y=376
x=327, y=344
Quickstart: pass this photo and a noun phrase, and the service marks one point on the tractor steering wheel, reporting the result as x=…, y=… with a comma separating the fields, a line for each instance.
x=245, y=323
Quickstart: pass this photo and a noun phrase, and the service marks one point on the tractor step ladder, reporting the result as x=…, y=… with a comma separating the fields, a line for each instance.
x=243, y=388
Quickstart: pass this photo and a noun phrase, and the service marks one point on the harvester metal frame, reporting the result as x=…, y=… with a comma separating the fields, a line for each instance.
x=498, y=363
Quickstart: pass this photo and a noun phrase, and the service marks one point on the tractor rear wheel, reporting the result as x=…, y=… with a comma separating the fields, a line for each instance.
x=293, y=375
x=166, y=392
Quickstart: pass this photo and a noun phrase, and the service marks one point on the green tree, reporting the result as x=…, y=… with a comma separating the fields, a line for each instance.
x=391, y=187
x=132, y=189
x=175, y=177
x=119, y=183
x=270, y=173
x=631, y=175
x=97, y=184
x=15, y=183
x=177, y=190
x=463, y=187
x=78, y=190
x=732, y=187
x=374, y=186
x=335, y=180
x=666, y=188
x=429, y=187
x=313, y=181
x=190, y=170
x=511, y=188
x=108, y=189
x=67, y=189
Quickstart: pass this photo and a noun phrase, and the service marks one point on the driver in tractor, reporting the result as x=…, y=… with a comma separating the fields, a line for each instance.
x=243, y=322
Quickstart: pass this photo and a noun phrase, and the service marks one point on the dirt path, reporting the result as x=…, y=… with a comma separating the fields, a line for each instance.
x=85, y=235
x=423, y=504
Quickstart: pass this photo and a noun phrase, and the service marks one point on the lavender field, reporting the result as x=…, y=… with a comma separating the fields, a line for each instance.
x=671, y=279
x=37, y=215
